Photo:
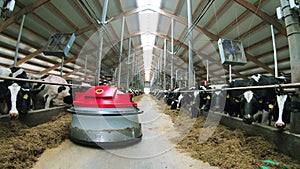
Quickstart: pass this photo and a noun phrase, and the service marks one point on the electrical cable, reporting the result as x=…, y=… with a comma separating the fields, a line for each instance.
x=197, y=20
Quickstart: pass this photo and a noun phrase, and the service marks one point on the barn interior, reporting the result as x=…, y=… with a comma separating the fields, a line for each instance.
x=139, y=35
x=155, y=45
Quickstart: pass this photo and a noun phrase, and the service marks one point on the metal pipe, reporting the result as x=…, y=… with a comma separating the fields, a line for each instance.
x=128, y=63
x=293, y=31
x=289, y=85
x=138, y=75
x=129, y=48
x=230, y=75
x=291, y=19
x=39, y=81
x=190, y=25
x=121, y=50
x=165, y=64
x=18, y=42
x=207, y=71
x=194, y=78
x=275, y=53
x=160, y=68
x=133, y=65
x=101, y=34
x=103, y=20
x=85, y=63
x=98, y=72
x=172, y=52
x=62, y=66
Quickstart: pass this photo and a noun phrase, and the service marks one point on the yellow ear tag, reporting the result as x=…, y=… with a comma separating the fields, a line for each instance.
x=208, y=97
x=227, y=96
x=271, y=106
x=260, y=101
x=236, y=100
x=25, y=96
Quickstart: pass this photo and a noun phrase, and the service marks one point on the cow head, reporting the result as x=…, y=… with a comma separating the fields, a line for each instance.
x=63, y=96
x=18, y=100
x=250, y=105
x=218, y=100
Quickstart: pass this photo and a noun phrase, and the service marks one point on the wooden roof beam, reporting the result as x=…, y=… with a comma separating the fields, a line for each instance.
x=22, y=12
x=262, y=15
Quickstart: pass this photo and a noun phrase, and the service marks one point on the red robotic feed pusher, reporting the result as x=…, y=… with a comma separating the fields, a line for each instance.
x=105, y=98
x=105, y=116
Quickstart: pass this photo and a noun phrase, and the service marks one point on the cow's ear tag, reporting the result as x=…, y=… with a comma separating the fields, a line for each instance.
x=208, y=97
x=25, y=96
x=236, y=100
x=227, y=96
x=271, y=106
x=260, y=101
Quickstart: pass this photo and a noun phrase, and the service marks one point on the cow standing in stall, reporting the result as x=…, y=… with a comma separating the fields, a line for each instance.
x=15, y=95
x=254, y=100
x=235, y=98
x=52, y=95
x=201, y=99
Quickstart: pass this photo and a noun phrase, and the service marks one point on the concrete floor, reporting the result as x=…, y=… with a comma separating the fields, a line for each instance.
x=154, y=151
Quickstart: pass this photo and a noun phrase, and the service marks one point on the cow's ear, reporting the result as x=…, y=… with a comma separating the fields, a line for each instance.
x=239, y=98
x=61, y=88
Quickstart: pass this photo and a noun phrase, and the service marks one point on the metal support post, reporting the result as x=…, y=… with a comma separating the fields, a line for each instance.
x=18, y=42
x=98, y=72
x=85, y=68
x=207, y=71
x=165, y=64
x=101, y=34
x=121, y=50
x=230, y=74
x=128, y=63
x=275, y=53
x=172, y=52
x=190, y=24
x=293, y=32
x=62, y=66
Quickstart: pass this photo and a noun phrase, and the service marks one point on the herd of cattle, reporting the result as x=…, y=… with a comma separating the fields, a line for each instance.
x=258, y=104
x=18, y=97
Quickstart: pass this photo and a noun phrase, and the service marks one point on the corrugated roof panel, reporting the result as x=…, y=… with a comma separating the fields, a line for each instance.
x=261, y=34
x=113, y=8
x=71, y=12
x=243, y=27
x=128, y=4
x=33, y=39
x=53, y=19
x=226, y=18
x=132, y=23
x=206, y=16
x=41, y=30
x=169, y=5
x=164, y=25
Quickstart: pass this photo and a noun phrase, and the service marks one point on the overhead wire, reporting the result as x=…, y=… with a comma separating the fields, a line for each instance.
x=195, y=23
x=92, y=14
x=252, y=20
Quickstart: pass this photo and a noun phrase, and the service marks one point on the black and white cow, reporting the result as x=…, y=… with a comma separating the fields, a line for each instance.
x=201, y=101
x=52, y=95
x=14, y=95
x=216, y=99
x=263, y=99
x=236, y=97
x=175, y=99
